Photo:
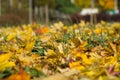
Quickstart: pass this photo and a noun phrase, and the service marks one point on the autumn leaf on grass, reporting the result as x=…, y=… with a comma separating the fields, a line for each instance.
x=29, y=45
x=10, y=36
x=25, y=59
x=103, y=22
x=20, y=76
x=97, y=31
x=83, y=44
x=60, y=48
x=45, y=38
x=4, y=61
x=82, y=23
x=88, y=31
x=84, y=58
x=109, y=60
x=76, y=65
x=50, y=52
x=118, y=48
x=113, y=46
x=75, y=26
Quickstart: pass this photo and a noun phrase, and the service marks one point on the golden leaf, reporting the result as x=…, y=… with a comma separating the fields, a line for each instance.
x=10, y=37
x=4, y=63
x=29, y=45
x=113, y=46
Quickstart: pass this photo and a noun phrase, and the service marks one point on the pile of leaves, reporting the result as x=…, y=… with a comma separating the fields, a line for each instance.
x=59, y=52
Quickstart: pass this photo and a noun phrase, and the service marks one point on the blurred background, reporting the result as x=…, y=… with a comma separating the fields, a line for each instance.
x=15, y=12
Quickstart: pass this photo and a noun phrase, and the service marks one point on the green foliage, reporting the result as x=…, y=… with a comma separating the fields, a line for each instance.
x=33, y=72
x=6, y=73
x=51, y=3
x=39, y=51
x=66, y=6
x=119, y=4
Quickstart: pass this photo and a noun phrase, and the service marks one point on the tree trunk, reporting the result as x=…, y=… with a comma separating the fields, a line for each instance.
x=30, y=11
x=0, y=8
x=46, y=14
x=11, y=3
x=19, y=5
x=41, y=14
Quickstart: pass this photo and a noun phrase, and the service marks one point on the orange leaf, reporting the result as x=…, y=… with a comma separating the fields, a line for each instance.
x=21, y=76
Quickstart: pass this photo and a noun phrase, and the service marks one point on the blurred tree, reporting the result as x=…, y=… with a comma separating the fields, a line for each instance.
x=83, y=3
x=15, y=4
x=107, y=4
x=119, y=4
x=46, y=4
x=66, y=6
x=50, y=3
x=19, y=4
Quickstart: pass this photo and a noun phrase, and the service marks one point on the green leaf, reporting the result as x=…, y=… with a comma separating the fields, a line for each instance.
x=6, y=73
x=35, y=73
x=66, y=37
x=39, y=51
x=27, y=68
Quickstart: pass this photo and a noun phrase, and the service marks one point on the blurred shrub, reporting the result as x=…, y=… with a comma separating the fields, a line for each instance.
x=101, y=16
x=14, y=17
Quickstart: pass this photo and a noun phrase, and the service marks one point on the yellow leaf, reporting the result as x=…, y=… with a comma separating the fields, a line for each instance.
x=45, y=38
x=80, y=67
x=5, y=57
x=73, y=64
x=113, y=46
x=65, y=28
x=100, y=78
x=83, y=44
x=4, y=63
x=82, y=23
x=109, y=60
x=49, y=52
x=90, y=73
x=60, y=48
x=76, y=65
x=103, y=22
x=97, y=31
x=88, y=31
x=29, y=45
x=10, y=37
x=86, y=60
x=118, y=48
